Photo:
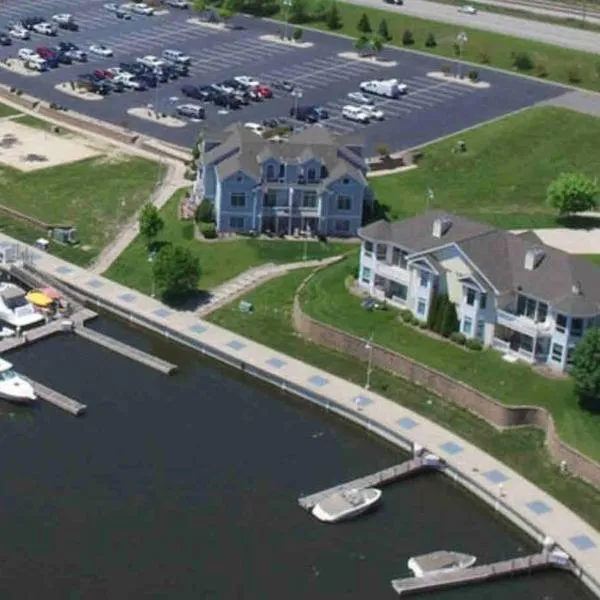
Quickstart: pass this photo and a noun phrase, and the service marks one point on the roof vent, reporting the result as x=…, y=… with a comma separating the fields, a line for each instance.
x=576, y=288
x=441, y=226
x=533, y=258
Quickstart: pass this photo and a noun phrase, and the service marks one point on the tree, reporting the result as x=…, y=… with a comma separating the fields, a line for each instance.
x=332, y=18
x=432, y=319
x=522, y=61
x=448, y=319
x=299, y=11
x=176, y=271
x=199, y=5
x=586, y=366
x=229, y=8
x=364, y=26
x=151, y=223
x=407, y=38
x=361, y=43
x=376, y=44
x=571, y=193
x=204, y=212
x=430, y=41
x=384, y=31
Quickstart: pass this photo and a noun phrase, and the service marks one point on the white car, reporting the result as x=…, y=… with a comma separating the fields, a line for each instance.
x=467, y=9
x=247, y=81
x=45, y=28
x=62, y=18
x=355, y=113
x=150, y=61
x=176, y=56
x=114, y=71
x=19, y=33
x=100, y=50
x=129, y=81
x=360, y=98
x=255, y=127
x=178, y=3
x=26, y=54
x=375, y=114
x=142, y=9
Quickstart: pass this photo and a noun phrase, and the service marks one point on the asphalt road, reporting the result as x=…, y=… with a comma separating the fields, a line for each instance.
x=430, y=110
x=558, y=35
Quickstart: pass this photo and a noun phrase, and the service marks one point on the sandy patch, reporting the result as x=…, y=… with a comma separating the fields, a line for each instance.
x=149, y=115
x=80, y=93
x=275, y=39
x=114, y=156
x=482, y=85
x=29, y=149
x=16, y=65
x=201, y=23
x=373, y=60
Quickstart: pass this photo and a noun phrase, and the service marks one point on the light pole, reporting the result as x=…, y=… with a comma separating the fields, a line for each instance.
x=461, y=39
x=153, y=288
x=297, y=93
x=369, y=348
x=287, y=5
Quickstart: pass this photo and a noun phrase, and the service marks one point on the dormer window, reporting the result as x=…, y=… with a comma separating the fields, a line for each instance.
x=311, y=174
x=270, y=172
x=345, y=181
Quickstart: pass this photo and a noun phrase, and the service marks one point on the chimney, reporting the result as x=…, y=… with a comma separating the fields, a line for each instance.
x=576, y=288
x=533, y=257
x=441, y=226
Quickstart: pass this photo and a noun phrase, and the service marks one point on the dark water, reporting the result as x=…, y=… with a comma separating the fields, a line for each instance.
x=186, y=487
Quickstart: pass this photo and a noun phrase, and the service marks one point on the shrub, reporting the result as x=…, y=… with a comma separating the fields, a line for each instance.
x=406, y=315
x=474, y=344
x=473, y=75
x=190, y=174
x=458, y=338
x=446, y=69
x=408, y=38
x=456, y=49
x=204, y=213
x=356, y=272
x=332, y=18
x=522, y=61
x=541, y=68
x=208, y=230
x=430, y=41
x=484, y=58
x=195, y=152
x=383, y=150
x=19, y=92
x=298, y=33
x=12, y=90
x=574, y=74
x=422, y=325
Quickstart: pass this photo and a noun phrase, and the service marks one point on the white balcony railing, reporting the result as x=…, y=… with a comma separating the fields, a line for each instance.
x=392, y=272
x=521, y=324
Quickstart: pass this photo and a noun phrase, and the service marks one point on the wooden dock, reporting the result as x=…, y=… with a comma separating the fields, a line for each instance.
x=58, y=399
x=473, y=575
x=30, y=336
x=405, y=469
x=124, y=349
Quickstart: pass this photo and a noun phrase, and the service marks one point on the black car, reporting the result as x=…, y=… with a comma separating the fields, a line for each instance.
x=5, y=40
x=93, y=84
x=191, y=91
x=304, y=113
x=285, y=86
x=160, y=74
x=168, y=71
x=396, y=2
x=179, y=68
x=227, y=101
x=62, y=57
x=30, y=22
x=149, y=79
x=68, y=25
x=207, y=92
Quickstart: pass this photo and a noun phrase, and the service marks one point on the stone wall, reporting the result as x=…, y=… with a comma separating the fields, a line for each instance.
x=461, y=394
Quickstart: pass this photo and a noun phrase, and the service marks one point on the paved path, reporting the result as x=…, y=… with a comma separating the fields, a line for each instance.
x=502, y=487
x=587, y=103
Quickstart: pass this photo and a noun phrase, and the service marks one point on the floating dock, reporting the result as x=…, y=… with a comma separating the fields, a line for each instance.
x=473, y=575
x=49, y=395
x=124, y=349
x=31, y=335
x=405, y=469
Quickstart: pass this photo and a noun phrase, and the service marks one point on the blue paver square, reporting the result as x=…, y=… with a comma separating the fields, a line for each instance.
x=64, y=270
x=127, y=297
x=236, y=345
x=495, y=476
x=95, y=283
x=198, y=328
x=451, y=448
x=362, y=400
x=582, y=542
x=318, y=380
x=163, y=313
x=276, y=362
x=35, y=257
x=407, y=423
x=539, y=507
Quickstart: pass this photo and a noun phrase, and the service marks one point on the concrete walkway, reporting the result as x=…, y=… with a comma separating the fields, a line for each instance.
x=508, y=492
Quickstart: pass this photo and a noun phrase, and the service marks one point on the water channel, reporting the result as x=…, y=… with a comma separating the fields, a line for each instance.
x=186, y=487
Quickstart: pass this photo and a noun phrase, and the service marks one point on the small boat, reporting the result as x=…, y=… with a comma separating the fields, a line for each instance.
x=346, y=504
x=13, y=387
x=15, y=309
x=439, y=562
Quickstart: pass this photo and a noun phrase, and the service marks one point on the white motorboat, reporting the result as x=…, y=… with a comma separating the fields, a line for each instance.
x=13, y=387
x=346, y=504
x=439, y=562
x=15, y=309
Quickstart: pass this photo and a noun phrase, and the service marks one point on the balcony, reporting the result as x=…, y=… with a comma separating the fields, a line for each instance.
x=522, y=324
x=392, y=272
x=281, y=209
x=278, y=184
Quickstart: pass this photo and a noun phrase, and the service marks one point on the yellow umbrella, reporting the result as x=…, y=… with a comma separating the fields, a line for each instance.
x=39, y=299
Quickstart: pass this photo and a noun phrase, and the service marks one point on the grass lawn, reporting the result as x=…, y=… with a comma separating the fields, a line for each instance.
x=522, y=449
x=7, y=111
x=503, y=175
x=220, y=261
x=95, y=195
x=327, y=299
x=595, y=258
x=559, y=64
x=38, y=123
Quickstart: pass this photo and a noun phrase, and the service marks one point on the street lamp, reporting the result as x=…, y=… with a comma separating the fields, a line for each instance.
x=369, y=348
x=151, y=260
x=297, y=94
x=287, y=5
x=461, y=39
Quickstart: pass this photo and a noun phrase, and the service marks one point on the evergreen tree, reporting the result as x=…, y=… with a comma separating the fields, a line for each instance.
x=433, y=308
x=364, y=26
x=450, y=322
x=384, y=31
x=332, y=18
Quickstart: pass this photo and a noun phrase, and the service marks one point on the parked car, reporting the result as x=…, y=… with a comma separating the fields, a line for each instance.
x=177, y=3
x=150, y=79
x=65, y=21
x=246, y=81
x=388, y=88
x=304, y=113
x=45, y=28
x=141, y=8
x=396, y=2
x=90, y=83
x=255, y=127
x=36, y=63
x=467, y=9
x=320, y=112
x=179, y=68
x=374, y=113
x=5, y=40
x=359, y=98
x=191, y=91
x=102, y=74
x=19, y=32
x=73, y=51
x=26, y=54
x=100, y=50
x=254, y=95
x=48, y=55
x=193, y=111
x=62, y=57
x=150, y=61
x=264, y=90
x=131, y=82
x=227, y=101
x=30, y=22
x=285, y=86
x=355, y=113
x=176, y=56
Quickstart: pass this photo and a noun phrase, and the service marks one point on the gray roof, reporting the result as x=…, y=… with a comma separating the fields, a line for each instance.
x=570, y=283
x=242, y=149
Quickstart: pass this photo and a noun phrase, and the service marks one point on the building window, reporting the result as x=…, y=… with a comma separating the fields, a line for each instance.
x=311, y=174
x=381, y=251
x=270, y=198
x=309, y=200
x=344, y=203
x=281, y=171
x=236, y=222
x=542, y=312
x=270, y=172
x=561, y=323
x=368, y=246
x=467, y=327
x=366, y=275
x=570, y=351
x=380, y=283
x=557, y=352
x=238, y=200
x=526, y=343
x=482, y=301
x=345, y=181
x=421, y=307
x=342, y=226
x=576, y=327
x=425, y=277
x=323, y=172
x=480, y=333
x=397, y=290
x=471, y=294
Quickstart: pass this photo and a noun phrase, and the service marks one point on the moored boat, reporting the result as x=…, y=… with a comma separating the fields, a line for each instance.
x=346, y=504
x=439, y=562
x=13, y=387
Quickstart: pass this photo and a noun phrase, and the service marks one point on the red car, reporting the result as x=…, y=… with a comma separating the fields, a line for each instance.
x=46, y=53
x=103, y=74
x=264, y=91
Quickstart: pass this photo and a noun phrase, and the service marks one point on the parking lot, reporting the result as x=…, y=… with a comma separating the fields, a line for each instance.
x=432, y=108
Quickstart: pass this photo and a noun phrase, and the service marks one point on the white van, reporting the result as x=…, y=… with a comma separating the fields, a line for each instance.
x=389, y=88
x=355, y=113
x=176, y=56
